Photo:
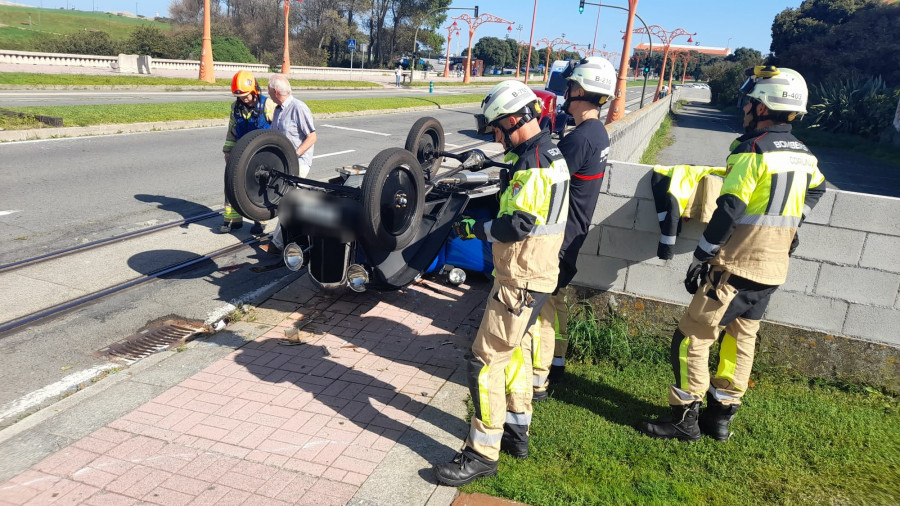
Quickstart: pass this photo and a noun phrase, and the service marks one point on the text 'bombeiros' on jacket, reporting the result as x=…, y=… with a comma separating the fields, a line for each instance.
x=243, y=120
x=528, y=231
x=683, y=191
x=771, y=184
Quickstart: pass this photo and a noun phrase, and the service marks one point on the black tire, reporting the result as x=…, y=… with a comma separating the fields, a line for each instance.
x=393, y=174
x=267, y=149
x=424, y=139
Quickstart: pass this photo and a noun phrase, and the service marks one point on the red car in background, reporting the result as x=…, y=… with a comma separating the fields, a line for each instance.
x=548, y=109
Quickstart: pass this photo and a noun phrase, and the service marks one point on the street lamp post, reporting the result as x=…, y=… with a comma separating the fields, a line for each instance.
x=617, y=108
x=519, y=43
x=550, y=45
x=416, y=37
x=474, y=23
x=450, y=29
x=530, y=42
x=666, y=37
x=207, y=72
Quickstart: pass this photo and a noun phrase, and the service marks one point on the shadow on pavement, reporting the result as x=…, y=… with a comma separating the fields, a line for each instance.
x=185, y=208
x=367, y=365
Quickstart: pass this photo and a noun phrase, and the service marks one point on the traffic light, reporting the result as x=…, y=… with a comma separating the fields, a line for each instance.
x=476, y=11
x=580, y=6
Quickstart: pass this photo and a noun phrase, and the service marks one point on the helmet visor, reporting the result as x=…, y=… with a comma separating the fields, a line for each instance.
x=748, y=85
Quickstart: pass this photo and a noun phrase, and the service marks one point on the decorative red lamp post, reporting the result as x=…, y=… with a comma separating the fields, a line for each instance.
x=474, y=23
x=286, y=60
x=685, y=59
x=207, y=72
x=666, y=38
x=450, y=29
x=550, y=45
x=617, y=107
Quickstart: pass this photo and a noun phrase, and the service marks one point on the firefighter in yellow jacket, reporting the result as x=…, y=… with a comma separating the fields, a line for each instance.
x=772, y=182
x=526, y=237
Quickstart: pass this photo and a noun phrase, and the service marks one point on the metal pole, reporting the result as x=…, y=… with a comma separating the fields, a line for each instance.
x=617, y=108
x=596, y=27
x=530, y=42
x=286, y=58
x=626, y=53
x=207, y=72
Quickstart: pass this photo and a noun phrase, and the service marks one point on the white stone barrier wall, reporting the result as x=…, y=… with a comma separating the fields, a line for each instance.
x=61, y=59
x=844, y=278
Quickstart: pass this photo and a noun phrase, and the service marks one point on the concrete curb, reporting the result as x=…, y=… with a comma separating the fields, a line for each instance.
x=124, y=128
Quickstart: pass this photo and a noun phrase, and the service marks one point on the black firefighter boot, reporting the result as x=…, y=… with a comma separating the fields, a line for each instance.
x=682, y=424
x=465, y=468
x=515, y=441
x=715, y=418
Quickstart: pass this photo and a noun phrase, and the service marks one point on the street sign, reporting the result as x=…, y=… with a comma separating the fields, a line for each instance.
x=351, y=44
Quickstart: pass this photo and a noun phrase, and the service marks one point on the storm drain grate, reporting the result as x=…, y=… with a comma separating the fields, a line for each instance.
x=165, y=335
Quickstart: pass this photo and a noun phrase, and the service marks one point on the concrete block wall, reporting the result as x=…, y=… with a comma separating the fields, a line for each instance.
x=844, y=278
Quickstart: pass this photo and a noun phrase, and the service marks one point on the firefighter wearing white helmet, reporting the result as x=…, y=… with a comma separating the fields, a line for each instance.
x=525, y=238
x=772, y=182
x=590, y=83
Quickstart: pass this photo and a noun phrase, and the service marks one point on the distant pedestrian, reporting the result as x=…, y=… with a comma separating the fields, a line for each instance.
x=294, y=119
x=249, y=111
x=398, y=74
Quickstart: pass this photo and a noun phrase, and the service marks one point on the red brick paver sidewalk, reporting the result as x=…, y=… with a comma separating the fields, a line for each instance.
x=274, y=423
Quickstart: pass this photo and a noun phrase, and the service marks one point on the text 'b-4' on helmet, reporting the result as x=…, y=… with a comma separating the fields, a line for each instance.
x=507, y=98
x=594, y=74
x=778, y=89
x=243, y=83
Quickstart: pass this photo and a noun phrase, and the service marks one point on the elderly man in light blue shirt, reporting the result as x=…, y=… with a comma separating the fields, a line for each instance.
x=294, y=119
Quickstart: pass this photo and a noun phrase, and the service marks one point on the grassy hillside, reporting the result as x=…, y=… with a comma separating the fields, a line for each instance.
x=17, y=32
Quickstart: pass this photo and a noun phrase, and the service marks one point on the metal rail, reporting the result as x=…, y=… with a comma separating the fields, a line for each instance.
x=58, y=308
x=102, y=242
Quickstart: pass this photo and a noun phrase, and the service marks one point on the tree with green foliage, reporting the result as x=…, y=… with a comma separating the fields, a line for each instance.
x=93, y=42
x=839, y=39
x=494, y=52
x=726, y=75
x=228, y=49
x=150, y=40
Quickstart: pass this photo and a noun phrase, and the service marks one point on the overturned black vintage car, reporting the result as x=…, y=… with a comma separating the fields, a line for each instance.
x=380, y=226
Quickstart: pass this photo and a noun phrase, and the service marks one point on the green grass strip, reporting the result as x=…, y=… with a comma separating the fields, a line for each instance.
x=86, y=115
x=660, y=140
x=25, y=78
x=796, y=441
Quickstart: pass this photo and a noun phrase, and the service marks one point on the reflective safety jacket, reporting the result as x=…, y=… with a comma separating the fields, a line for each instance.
x=244, y=119
x=528, y=231
x=771, y=184
x=683, y=191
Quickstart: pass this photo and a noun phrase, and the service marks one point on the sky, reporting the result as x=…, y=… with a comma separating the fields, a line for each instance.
x=719, y=23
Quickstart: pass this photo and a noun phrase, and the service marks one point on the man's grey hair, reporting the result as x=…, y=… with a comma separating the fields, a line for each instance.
x=280, y=84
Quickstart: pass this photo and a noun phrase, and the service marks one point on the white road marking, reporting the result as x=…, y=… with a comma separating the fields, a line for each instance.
x=335, y=153
x=357, y=130
x=37, y=397
x=4, y=213
x=451, y=145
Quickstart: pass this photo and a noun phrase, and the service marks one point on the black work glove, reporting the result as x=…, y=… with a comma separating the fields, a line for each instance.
x=794, y=243
x=696, y=273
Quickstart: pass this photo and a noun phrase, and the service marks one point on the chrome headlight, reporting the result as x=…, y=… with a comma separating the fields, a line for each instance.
x=456, y=276
x=357, y=278
x=293, y=256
